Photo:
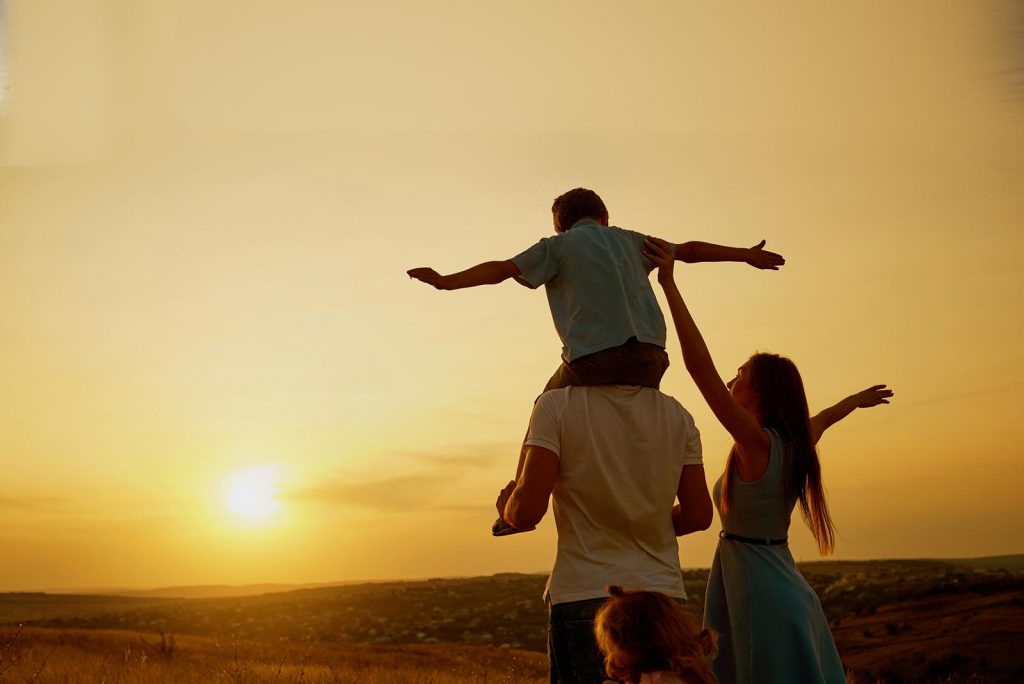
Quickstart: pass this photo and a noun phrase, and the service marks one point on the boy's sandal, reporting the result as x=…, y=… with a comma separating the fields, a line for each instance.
x=500, y=528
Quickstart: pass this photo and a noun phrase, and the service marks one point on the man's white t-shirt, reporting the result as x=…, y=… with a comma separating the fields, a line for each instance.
x=621, y=452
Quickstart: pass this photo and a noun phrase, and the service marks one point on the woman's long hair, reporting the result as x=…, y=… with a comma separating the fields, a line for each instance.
x=783, y=407
x=646, y=631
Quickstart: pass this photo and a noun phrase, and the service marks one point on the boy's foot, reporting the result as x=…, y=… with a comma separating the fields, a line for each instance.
x=500, y=528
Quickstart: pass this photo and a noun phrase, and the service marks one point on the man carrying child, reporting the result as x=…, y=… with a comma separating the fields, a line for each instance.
x=598, y=288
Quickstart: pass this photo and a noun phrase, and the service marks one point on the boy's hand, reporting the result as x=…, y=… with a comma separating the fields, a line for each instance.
x=873, y=396
x=428, y=276
x=662, y=253
x=763, y=259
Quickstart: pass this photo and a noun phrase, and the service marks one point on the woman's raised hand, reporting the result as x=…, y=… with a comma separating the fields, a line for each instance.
x=662, y=253
x=873, y=396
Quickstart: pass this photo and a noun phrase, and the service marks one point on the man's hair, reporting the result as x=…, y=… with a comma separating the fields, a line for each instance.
x=646, y=631
x=575, y=205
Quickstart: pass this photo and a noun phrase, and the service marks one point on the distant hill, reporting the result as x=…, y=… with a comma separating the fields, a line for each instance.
x=16, y=608
x=197, y=590
x=224, y=590
x=207, y=591
x=1011, y=563
x=501, y=609
x=1014, y=563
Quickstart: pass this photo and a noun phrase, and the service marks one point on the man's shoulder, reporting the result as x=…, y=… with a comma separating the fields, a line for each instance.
x=629, y=395
x=554, y=398
x=668, y=404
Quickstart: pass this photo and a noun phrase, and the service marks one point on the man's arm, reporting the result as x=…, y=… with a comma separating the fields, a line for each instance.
x=697, y=252
x=527, y=500
x=487, y=273
x=872, y=396
x=693, y=512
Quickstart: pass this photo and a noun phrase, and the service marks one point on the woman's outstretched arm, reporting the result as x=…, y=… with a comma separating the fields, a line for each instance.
x=872, y=396
x=752, y=444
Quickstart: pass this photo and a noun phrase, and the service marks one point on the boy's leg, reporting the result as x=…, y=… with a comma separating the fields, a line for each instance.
x=500, y=528
x=632, y=363
x=562, y=377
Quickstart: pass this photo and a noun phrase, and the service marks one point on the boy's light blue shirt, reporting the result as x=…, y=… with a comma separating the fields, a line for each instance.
x=598, y=287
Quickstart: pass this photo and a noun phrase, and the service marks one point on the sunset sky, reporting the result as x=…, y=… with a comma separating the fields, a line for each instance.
x=207, y=210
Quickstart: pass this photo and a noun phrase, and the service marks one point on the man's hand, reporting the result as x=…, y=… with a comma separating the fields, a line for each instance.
x=503, y=498
x=873, y=396
x=503, y=528
x=760, y=258
x=430, y=277
x=662, y=254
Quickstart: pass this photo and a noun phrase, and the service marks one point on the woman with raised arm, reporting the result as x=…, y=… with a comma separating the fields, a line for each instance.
x=770, y=623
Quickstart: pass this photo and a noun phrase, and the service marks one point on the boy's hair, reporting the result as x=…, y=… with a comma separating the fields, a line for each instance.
x=647, y=631
x=575, y=205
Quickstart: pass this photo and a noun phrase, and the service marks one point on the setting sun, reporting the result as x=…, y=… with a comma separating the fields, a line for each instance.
x=250, y=493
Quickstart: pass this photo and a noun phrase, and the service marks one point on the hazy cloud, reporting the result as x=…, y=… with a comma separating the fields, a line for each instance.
x=973, y=393
x=459, y=416
x=468, y=455
x=29, y=504
x=406, y=492
x=1009, y=18
x=436, y=486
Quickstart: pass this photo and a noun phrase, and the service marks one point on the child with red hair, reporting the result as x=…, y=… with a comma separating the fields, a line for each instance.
x=647, y=637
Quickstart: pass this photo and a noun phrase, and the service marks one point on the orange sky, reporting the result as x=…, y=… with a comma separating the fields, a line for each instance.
x=207, y=209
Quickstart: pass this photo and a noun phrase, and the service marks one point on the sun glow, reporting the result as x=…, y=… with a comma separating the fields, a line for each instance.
x=250, y=494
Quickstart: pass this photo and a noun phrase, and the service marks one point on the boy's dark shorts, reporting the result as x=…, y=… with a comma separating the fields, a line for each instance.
x=632, y=363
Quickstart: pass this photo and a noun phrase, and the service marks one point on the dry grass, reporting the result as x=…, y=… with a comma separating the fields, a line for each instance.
x=45, y=656
x=945, y=638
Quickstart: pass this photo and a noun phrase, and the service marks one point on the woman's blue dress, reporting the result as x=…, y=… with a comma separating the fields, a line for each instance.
x=770, y=624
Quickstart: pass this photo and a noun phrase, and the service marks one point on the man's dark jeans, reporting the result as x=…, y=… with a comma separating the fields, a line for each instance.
x=572, y=649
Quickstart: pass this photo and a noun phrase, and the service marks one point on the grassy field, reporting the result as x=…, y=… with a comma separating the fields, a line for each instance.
x=43, y=656
x=894, y=621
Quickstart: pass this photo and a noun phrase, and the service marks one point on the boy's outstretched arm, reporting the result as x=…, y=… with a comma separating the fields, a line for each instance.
x=487, y=273
x=872, y=396
x=695, y=252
